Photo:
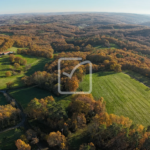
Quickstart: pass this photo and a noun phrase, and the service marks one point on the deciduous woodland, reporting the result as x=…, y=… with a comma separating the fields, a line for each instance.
x=49, y=120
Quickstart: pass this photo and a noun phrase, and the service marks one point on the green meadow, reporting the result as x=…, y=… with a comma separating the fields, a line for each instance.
x=123, y=95
x=25, y=95
x=37, y=64
x=8, y=138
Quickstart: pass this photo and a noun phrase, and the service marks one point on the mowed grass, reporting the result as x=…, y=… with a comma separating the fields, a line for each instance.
x=37, y=64
x=7, y=139
x=123, y=95
x=25, y=95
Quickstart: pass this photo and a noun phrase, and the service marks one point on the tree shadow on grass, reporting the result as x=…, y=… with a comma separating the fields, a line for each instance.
x=140, y=78
x=4, y=61
x=18, y=81
x=38, y=67
x=106, y=73
x=25, y=94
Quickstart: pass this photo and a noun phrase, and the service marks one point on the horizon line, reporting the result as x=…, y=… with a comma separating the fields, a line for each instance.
x=71, y=12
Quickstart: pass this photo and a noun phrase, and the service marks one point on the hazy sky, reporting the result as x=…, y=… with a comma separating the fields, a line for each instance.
x=29, y=6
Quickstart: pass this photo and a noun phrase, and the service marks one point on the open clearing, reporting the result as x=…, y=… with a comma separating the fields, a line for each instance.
x=7, y=139
x=37, y=64
x=25, y=95
x=14, y=49
x=112, y=46
x=123, y=95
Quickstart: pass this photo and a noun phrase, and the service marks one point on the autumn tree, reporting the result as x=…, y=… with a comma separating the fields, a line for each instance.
x=27, y=80
x=106, y=62
x=56, y=139
x=100, y=106
x=9, y=84
x=88, y=48
x=116, y=67
x=12, y=58
x=16, y=59
x=77, y=48
x=21, y=145
x=23, y=61
x=78, y=106
x=77, y=121
x=72, y=84
x=35, y=140
x=17, y=66
x=46, y=109
x=9, y=115
x=30, y=134
x=8, y=74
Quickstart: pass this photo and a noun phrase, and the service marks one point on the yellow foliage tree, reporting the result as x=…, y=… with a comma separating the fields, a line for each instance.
x=21, y=145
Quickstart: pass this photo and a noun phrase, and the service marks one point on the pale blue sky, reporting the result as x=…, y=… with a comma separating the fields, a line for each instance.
x=30, y=6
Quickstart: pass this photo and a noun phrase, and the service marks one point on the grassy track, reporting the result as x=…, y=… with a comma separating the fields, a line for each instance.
x=37, y=64
x=24, y=96
x=123, y=95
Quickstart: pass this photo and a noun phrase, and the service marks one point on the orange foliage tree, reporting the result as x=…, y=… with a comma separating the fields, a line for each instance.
x=72, y=84
x=8, y=74
x=21, y=145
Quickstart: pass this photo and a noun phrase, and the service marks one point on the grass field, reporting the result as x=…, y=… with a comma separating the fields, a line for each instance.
x=7, y=33
x=104, y=47
x=24, y=96
x=26, y=21
x=139, y=77
x=7, y=139
x=2, y=100
x=123, y=95
x=14, y=49
x=37, y=64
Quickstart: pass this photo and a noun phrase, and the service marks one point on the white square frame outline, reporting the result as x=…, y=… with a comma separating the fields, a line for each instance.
x=59, y=75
